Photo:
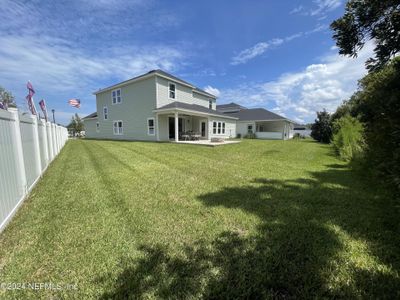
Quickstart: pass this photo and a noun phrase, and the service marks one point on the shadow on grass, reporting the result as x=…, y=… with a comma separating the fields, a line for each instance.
x=305, y=246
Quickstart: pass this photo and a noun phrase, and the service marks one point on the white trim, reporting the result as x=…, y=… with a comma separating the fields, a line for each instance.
x=275, y=120
x=120, y=132
x=105, y=114
x=169, y=91
x=220, y=126
x=116, y=96
x=172, y=110
x=154, y=126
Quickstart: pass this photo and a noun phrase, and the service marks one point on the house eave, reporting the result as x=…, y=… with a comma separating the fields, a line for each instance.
x=267, y=120
x=172, y=110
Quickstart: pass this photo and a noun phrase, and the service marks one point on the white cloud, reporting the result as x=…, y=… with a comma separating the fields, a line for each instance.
x=297, y=10
x=56, y=66
x=250, y=53
x=319, y=9
x=324, y=6
x=260, y=48
x=301, y=94
x=212, y=90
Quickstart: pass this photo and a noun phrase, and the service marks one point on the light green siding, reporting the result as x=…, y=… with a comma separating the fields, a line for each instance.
x=184, y=94
x=138, y=103
x=90, y=128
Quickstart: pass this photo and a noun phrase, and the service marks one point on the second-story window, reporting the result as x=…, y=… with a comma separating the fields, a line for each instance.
x=105, y=112
x=172, y=90
x=116, y=96
x=210, y=104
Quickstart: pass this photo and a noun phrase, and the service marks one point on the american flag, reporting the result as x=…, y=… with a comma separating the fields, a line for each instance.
x=29, y=98
x=31, y=91
x=43, y=107
x=75, y=103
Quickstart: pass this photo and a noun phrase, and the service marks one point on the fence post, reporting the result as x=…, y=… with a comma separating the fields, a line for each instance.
x=36, y=145
x=19, y=152
x=46, y=149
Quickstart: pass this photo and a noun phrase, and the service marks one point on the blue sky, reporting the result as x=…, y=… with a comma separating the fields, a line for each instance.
x=273, y=54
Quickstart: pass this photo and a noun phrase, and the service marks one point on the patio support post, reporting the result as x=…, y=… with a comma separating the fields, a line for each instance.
x=176, y=127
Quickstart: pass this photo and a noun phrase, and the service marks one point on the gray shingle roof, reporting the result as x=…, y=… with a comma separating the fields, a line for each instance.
x=195, y=108
x=229, y=106
x=92, y=115
x=255, y=114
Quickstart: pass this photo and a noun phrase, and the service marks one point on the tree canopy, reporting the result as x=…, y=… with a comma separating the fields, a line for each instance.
x=6, y=97
x=377, y=20
x=76, y=124
x=321, y=130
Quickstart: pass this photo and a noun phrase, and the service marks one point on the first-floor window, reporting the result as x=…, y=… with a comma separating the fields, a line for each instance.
x=97, y=127
x=249, y=128
x=218, y=127
x=118, y=128
x=150, y=126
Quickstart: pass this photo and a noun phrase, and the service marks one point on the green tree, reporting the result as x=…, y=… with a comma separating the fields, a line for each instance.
x=377, y=20
x=379, y=109
x=76, y=124
x=348, y=137
x=6, y=97
x=321, y=130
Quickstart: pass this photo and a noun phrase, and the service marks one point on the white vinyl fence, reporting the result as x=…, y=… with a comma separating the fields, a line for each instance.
x=27, y=146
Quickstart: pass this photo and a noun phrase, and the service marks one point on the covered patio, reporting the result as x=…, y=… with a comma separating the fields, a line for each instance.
x=275, y=130
x=180, y=122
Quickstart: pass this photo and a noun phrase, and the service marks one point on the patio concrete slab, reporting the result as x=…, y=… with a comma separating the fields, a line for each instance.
x=207, y=143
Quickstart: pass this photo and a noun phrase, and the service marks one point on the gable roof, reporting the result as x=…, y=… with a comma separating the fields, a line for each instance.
x=194, y=108
x=160, y=73
x=91, y=116
x=256, y=114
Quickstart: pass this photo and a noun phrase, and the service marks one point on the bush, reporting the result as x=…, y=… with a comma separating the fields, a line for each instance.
x=321, y=130
x=348, y=138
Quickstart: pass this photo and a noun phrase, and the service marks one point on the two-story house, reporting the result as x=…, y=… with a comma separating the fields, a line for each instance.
x=157, y=106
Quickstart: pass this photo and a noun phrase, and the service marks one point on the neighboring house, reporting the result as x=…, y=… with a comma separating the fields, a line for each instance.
x=263, y=123
x=156, y=106
x=303, y=130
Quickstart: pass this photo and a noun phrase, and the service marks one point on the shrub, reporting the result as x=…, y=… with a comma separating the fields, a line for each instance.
x=238, y=136
x=348, y=137
x=321, y=130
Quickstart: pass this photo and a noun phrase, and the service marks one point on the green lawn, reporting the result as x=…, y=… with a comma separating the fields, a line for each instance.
x=258, y=219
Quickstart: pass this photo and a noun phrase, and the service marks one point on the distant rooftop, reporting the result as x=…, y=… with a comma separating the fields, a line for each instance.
x=230, y=106
x=91, y=116
x=256, y=114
